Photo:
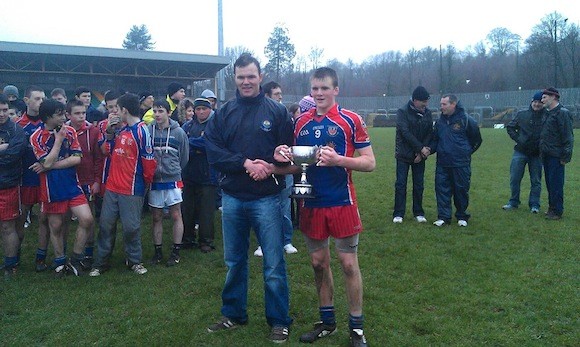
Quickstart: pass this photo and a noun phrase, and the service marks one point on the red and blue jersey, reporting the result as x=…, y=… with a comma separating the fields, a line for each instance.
x=343, y=130
x=29, y=177
x=132, y=163
x=57, y=184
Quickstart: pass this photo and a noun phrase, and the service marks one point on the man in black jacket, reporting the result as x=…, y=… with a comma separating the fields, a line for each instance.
x=525, y=130
x=556, y=144
x=11, y=146
x=240, y=143
x=414, y=131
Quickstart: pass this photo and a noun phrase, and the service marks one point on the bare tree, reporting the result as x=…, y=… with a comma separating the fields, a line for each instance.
x=503, y=41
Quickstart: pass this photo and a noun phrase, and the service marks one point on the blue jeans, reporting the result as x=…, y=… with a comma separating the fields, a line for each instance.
x=517, y=168
x=285, y=205
x=452, y=182
x=418, y=174
x=554, y=173
x=265, y=217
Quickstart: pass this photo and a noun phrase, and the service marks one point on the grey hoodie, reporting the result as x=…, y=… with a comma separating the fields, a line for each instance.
x=171, y=150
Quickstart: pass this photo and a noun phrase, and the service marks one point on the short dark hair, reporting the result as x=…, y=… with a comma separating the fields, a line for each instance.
x=246, y=59
x=81, y=90
x=268, y=87
x=4, y=100
x=292, y=108
x=57, y=91
x=50, y=107
x=72, y=103
x=323, y=72
x=452, y=98
x=162, y=103
x=31, y=89
x=112, y=95
x=131, y=102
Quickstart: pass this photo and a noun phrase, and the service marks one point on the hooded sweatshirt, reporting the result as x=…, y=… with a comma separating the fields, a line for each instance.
x=171, y=151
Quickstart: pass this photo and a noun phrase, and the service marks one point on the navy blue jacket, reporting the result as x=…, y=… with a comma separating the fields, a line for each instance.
x=11, y=158
x=455, y=139
x=247, y=128
x=198, y=170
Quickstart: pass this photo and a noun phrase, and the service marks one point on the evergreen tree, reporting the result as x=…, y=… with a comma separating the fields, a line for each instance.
x=280, y=53
x=138, y=39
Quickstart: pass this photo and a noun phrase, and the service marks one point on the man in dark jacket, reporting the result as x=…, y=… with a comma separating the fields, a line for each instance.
x=456, y=137
x=11, y=146
x=525, y=130
x=556, y=144
x=241, y=138
x=414, y=131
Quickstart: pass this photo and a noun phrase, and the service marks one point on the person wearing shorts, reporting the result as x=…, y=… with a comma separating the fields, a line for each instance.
x=171, y=151
x=333, y=211
x=58, y=152
x=11, y=146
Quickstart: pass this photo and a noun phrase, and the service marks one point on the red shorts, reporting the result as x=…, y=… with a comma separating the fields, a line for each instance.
x=29, y=195
x=338, y=222
x=9, y=203
x=60, y=207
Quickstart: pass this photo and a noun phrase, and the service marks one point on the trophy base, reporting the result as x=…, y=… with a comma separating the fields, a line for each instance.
x=302, y=191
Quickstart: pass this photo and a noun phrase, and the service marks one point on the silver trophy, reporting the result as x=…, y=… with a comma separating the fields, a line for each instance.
x=303, y=156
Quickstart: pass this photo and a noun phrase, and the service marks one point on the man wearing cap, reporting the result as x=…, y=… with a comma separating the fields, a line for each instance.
x=208, y=94
x=414, y=132
x=525, y=130
x=13, y=96
x=175, y=93
x=556, y=144
x=146, y=100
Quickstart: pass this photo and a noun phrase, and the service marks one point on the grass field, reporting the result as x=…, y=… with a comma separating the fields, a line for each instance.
x=510, y=278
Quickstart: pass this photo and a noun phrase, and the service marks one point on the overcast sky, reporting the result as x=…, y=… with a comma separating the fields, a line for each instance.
x=345, y=30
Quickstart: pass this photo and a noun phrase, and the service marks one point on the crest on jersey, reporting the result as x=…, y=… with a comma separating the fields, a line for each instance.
x=266, y=125
x=456, y=126
x=332, y=130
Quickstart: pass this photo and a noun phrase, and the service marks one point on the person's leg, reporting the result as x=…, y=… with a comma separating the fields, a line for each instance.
x=535, y=169
x=130, y=209
x=266, y=219
x=85, y=224
x=443, y=193
x=56, y=238
x=107, y=229
x=557, y=185
x=236, y=239
x=157, y=233
x=548, y=173
x=418, y=172
x=517, y=168
x=187, y=215
x=402, y=173
x=10, y=242
x=206, y=218
x=461, y=184
x=286, y=206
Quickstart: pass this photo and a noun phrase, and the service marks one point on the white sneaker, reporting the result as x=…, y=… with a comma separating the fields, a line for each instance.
x=398, y=220
x=421, y=219
x=439, y=223
x=462, y=223
x=290, y=249
x=139, y=269
x=258, y=252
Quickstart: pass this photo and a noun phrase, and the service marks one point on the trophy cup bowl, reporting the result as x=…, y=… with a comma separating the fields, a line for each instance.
x=303, y=156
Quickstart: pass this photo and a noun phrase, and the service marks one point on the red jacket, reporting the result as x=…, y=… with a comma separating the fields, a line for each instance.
x=90, y=169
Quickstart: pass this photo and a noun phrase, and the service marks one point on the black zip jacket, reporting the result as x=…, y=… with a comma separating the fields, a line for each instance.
x=414, y=131
x=557, y=137
x=247, y=128
x=11, y=158
x=525, y=130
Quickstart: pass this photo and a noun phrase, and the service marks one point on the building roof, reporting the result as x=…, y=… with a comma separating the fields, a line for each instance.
x=45, y=58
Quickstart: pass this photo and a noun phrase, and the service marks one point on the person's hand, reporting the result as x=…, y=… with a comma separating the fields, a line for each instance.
x=113, y=123
x=283, y=154
x=425, y=152
x=60, y=133
x=37, y=167
x=418, y=158
x=3, y=146
x=327, y=156
x=257, y=169
x=95, y=188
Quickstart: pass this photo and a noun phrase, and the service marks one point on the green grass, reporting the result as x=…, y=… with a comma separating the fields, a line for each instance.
x=508, y=279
